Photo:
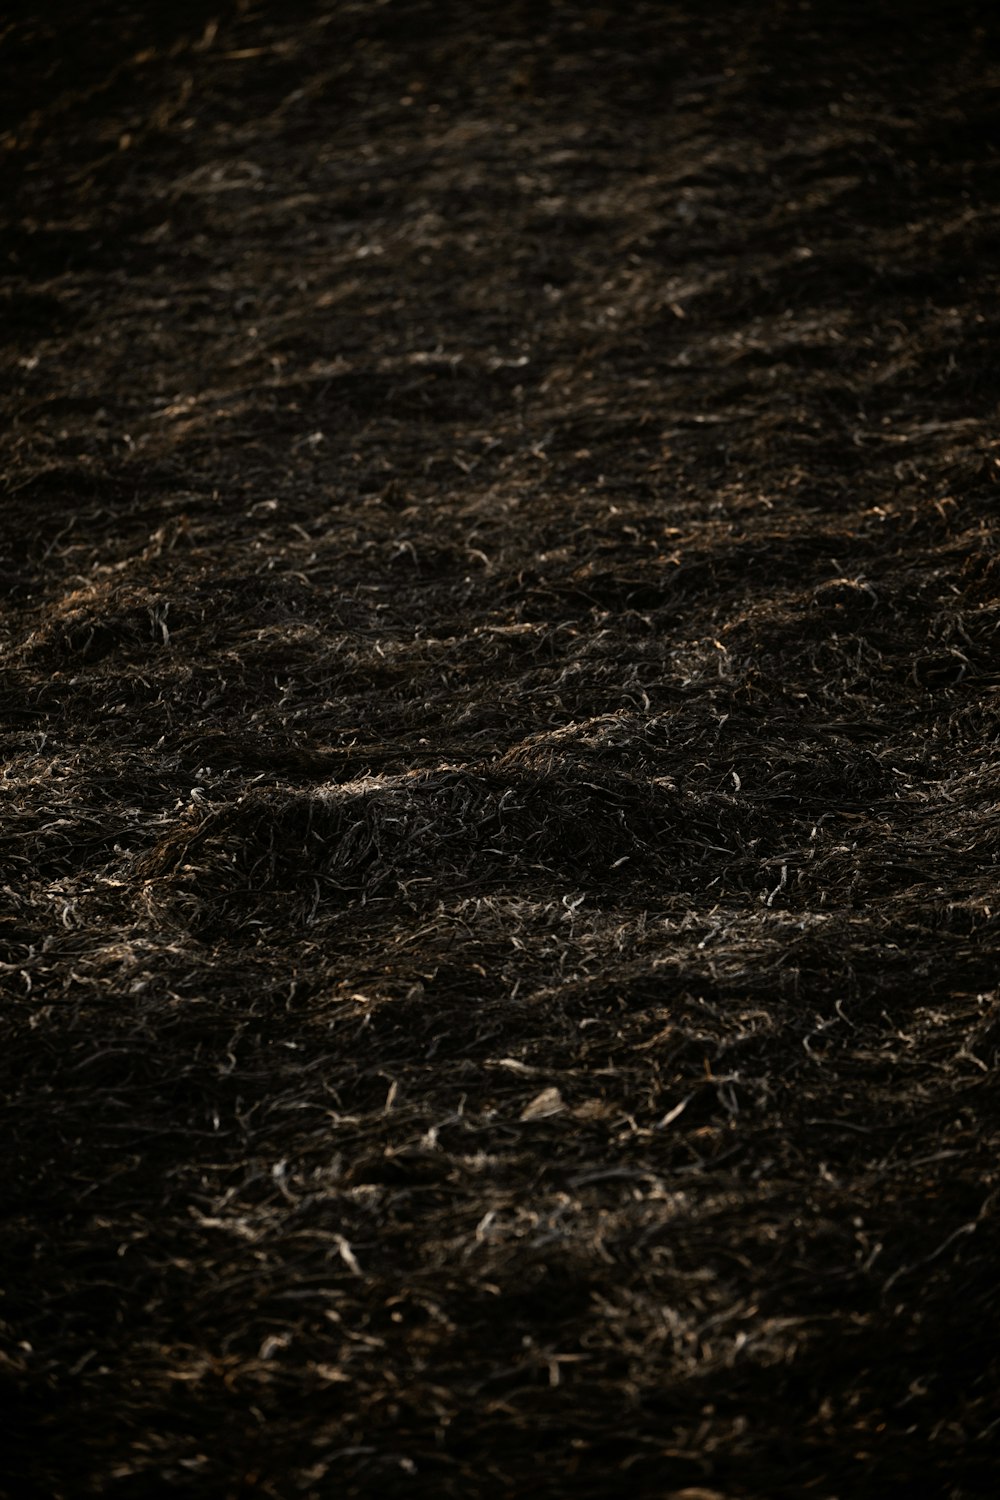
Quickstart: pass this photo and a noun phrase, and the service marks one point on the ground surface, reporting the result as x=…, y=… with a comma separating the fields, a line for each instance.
x=500, y=690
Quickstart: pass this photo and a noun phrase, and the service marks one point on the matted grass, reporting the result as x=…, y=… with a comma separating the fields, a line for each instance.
x=500, y=700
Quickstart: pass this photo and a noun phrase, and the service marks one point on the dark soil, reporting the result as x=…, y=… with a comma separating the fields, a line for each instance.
x=500, y=677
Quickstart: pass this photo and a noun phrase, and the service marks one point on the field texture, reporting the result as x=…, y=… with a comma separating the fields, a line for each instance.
x=499, y=693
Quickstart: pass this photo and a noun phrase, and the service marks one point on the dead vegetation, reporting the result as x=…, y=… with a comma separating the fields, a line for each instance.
x=499, y=837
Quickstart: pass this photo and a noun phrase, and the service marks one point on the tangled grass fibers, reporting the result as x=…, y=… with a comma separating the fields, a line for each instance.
x=500, y=697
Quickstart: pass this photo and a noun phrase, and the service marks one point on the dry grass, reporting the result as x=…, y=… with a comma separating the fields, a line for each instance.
x=500, y=697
